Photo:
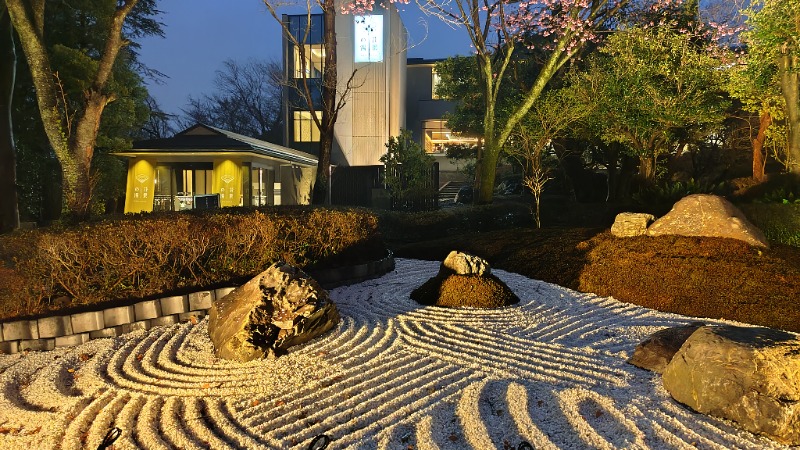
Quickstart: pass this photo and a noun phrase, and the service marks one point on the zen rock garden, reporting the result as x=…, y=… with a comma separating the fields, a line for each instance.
x=283, y=306
x=748, y=375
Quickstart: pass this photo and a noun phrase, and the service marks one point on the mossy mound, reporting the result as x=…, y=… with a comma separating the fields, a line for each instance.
x=472, y=291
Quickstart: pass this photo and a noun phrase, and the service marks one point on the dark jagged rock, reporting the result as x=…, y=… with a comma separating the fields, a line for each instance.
x=277, y=309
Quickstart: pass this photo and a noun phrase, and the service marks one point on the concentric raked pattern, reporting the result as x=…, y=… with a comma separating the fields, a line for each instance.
x=550, y=371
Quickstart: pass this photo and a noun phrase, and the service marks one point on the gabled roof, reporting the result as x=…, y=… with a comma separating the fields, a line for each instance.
x=201, y=138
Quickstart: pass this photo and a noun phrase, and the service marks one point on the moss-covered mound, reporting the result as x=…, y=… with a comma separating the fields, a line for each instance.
x=473, y=291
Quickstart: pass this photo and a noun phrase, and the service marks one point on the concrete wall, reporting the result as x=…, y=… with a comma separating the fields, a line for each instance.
x=375, y=108
x=420, y=104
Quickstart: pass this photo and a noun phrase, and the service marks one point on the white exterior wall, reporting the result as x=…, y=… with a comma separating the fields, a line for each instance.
x=375, y=108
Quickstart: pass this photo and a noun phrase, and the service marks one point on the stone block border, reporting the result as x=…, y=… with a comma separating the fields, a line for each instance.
x=46, y=333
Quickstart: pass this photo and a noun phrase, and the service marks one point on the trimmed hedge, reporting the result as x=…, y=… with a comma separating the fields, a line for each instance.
x=149, y=254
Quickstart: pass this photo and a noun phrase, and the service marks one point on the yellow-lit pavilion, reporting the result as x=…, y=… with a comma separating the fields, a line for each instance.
x=204, y=166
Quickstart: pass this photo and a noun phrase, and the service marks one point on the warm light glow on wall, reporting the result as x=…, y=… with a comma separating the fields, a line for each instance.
x=228, y=182
x=141, y=186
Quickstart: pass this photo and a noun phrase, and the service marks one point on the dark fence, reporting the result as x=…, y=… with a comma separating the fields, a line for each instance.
x=352, y=186
x=363, y=186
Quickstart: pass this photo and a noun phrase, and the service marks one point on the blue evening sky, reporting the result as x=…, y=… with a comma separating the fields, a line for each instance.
x=201, y=34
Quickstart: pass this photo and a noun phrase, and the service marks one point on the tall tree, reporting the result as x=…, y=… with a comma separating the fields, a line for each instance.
x=159, y=124
x=653, y=91
x=498, y=28
x=774, y=40
x=757, y=88
x=247, y=100
x=333, y=96
x=9, y=205
x=72, y=133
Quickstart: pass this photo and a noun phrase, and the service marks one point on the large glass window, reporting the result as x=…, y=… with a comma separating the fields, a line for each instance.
x=196, y=182
x=305, y=130
x=437, y=136
x=262, y=181
x=314, y=55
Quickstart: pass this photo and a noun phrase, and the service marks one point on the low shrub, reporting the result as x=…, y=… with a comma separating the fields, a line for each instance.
x=149, y=254
x=699, y=277
x=670, y=192
x=411, y=227
x=780, y=222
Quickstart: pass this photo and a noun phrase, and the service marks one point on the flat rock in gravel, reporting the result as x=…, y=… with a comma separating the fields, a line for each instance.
x=655, y=352
x=707, y=216
x=748, y=375
x=277, y=309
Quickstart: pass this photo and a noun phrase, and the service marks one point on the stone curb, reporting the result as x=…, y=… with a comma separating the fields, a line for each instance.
x=54, y=331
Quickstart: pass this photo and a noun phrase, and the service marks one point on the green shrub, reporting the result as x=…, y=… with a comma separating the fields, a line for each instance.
x=149, y=254
x=670, y=192
x=780, y=195
x=780, y=222
x=415, y=226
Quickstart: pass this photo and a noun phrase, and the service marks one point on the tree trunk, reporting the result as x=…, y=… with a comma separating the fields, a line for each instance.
x=9, y=206
x=611, y=152
x=73, y=145
x=486, y=170
x=647, y=169
x=627, y=172
x=29, y=27
x=329, y=104
x=758, y=146
x=790, y=87
x=81, y=145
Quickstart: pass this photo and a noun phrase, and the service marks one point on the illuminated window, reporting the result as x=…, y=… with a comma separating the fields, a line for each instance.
x=437, y=137
x=435, y=79
x=305, y=130
x=315, y=59
x=196, y=182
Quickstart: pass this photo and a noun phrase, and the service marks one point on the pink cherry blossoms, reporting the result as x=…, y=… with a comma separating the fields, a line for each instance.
x=576, y=21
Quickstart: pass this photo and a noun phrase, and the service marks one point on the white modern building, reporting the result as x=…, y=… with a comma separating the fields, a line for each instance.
x=372, y=49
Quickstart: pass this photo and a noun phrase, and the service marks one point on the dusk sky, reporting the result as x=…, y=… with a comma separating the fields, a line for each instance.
x=201, y=34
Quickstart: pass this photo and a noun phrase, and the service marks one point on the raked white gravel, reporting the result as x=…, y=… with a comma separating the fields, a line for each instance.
x=393, y=375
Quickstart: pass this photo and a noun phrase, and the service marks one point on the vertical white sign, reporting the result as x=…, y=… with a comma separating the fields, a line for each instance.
x=369, y=38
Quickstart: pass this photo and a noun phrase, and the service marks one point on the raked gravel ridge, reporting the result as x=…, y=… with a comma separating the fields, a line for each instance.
x=393, y=375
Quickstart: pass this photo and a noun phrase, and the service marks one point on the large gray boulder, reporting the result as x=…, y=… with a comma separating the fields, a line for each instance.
x=655, y=352
x=707, y=216
x=277, y=309
x=748, y=375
